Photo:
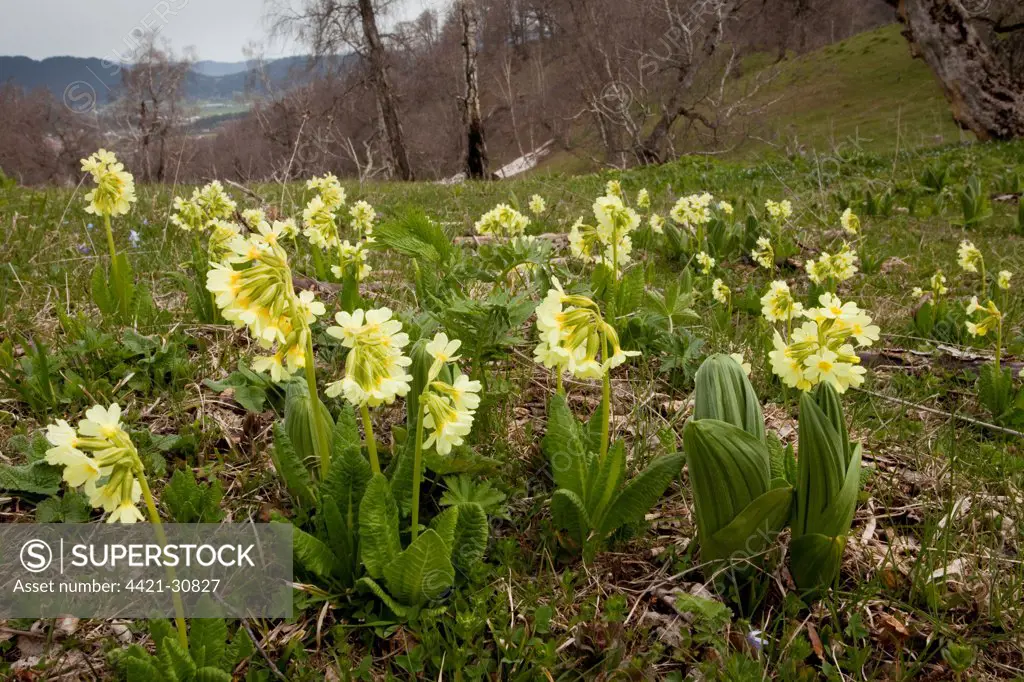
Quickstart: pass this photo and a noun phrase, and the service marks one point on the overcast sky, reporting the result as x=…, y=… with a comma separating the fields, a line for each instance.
x=218, y=29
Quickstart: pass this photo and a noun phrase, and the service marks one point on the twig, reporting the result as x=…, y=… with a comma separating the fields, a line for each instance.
x=255, y=642
x=950, y=415
x=246, y=190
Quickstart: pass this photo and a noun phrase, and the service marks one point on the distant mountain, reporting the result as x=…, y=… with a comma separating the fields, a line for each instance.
x=75, y=77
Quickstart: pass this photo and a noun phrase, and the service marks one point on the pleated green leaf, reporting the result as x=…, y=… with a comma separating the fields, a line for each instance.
x=827, y=398
x=298, y=416
x=291, y=469
x=723, y=392
x=815, y=559
x=821, y=468
x=729, y=469
x=752, y=529
x=604, y=479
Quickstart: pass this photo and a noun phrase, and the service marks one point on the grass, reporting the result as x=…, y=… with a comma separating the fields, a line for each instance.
x=937, y=490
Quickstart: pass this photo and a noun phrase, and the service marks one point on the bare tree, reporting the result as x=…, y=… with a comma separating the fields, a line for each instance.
x=476, y=154
x=976, y=49
x=328, y=26
x=150, y=104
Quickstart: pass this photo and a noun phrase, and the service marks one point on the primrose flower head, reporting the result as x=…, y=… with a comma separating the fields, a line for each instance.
x=330, y=191
x=448, y=408
x=502, y=221
x=215, y=202
x=99, y=457
x=850, y=222
x=969, y=257
x=742, y=362
x=725, y=207
x=613, y=188
x=363, y=216
x=657, y=223
x=643, y=199
x=721, y=292
x=375, y=367
x=254, y=218
x=693, y=210
x=537, y=204
x=188, y=215
x=779, y=211
x=1003, y=279
x=938, y=283
x=114, y=193
x=321, y=229
x=777, y=305
x=706, y=263
x=835, y=268
x=987, y=318
x=573, y=335
x=763, y=254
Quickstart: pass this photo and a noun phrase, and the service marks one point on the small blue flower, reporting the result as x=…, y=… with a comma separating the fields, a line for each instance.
x=133, y=237
x=756, y=639
x=145, y=221
x=89, y=226
x=83, y=249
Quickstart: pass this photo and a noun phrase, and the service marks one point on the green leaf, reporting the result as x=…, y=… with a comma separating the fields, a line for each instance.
x=241, y=647
x=378, y=527
x=462, y=490
x=72, y=507
x=208, y=635
x=821, y=468
x=422, y=572
x=815, y=560
x=752, y=529
x=641, y=493
x=831, y=406
x=37, y=478
x=729, y=468
x=141, y=670
x=101, y=295
x=175, y=661
x=399, y=610
x=342, y=537
x=312, y=554
x=564, y=445
x=723, y=392
x=471, y=534
x=444, y=525
x=291, y=468
x=605, y=479
x=299, y=414
x=995, y=389
x=190, y=502
x=210, y=674
x=570, y=514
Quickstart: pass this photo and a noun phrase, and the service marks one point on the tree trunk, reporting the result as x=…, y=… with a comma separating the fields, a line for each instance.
x=971, y=46
x=476, y=154
x=385, y=94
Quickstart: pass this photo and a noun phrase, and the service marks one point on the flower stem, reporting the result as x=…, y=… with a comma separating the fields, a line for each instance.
x=158, y=528
x=558, y=381
x=321, y=442
x=110, y=245
x=417, y=464
x=371, y=443
x=606, y=401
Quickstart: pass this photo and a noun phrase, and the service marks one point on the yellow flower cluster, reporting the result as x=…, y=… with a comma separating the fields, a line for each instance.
x=502, y=221
x=114, y=193
x=643, y=199
x=989, y=319
x=1003, y=279
x=937, y=284
x=779, y=211
x=537, y=204
x=969, y=257
x=706, y=263
x=692, y=211
x=100, y=458
x=833, y=268
x=363, y=215
x=375, y=367
x=777, y=305
x=820, y=349
x=573, y=335
x=608, y=241
x=318, y=218
x=449, y=407
x=207, y=205
x=850, y=222
x=260, y=296
x=763, y=253
x=721, y=292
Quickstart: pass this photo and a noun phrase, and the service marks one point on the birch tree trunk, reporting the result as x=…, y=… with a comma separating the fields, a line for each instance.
x=476, y=154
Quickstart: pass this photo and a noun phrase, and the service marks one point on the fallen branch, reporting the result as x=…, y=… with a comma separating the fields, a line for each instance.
x=947, y=356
